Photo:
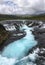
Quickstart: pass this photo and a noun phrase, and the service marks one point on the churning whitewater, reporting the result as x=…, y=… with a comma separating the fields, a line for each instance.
x=18, y=49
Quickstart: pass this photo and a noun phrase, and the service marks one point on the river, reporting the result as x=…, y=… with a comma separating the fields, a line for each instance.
x=18, y=49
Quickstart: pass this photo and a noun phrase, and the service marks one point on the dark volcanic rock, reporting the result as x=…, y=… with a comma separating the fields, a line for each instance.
x=17, y=34
x=41, y=57
x=3, y=35
x=40, y=36
x=41, y=30
x=34, y=23
x=1, y=27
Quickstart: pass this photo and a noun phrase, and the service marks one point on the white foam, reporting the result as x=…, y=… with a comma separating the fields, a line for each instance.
x=11, y=61
x=9, y=27
x=7, y=61
x=33, y=56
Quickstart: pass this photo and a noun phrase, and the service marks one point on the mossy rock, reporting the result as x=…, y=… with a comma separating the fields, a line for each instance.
x=3, y=34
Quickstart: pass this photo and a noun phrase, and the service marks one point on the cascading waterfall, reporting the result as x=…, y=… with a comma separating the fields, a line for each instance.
x=18, y=49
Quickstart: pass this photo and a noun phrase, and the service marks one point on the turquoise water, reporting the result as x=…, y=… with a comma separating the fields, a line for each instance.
x=20, y=48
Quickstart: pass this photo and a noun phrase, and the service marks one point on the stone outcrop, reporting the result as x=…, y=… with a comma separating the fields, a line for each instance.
x=3, y=34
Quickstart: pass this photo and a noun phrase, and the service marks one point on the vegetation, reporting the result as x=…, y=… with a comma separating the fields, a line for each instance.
x=13, y=17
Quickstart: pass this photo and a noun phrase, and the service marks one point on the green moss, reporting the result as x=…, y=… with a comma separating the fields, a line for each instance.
x=3, y=34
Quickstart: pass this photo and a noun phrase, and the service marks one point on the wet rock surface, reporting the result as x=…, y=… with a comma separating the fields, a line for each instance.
x=41, y=57
x=39, y=33
x=3, y=34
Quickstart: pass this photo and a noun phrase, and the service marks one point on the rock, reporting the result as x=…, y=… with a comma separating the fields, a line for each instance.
x=9, y=27
x=3, y=34
x=1, y=27
x=17, y=26
x=34, y=23
x=17, y=34
x=39, y=33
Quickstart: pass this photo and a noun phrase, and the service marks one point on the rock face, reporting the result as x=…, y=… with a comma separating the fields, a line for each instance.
x=3, y=34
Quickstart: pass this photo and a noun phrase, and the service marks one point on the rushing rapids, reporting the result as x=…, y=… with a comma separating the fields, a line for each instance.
x=18, y=49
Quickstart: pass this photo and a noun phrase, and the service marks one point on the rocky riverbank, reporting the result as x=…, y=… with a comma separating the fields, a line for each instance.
x=10, y=32
x=39, y=33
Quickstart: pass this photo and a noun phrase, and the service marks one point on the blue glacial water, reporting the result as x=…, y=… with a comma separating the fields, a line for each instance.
x=19, y=49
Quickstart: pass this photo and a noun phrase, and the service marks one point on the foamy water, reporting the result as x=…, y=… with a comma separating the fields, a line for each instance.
x=24, y=61
x=18, y=49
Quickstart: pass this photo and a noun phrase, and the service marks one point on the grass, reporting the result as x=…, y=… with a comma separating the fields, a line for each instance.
x=13, y=17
